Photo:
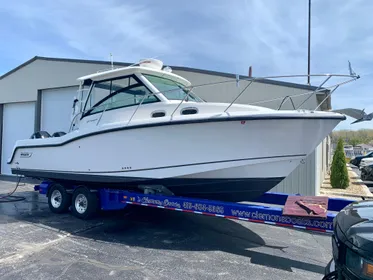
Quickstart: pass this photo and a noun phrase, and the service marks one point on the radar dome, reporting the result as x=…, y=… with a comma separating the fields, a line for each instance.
x=151, y=63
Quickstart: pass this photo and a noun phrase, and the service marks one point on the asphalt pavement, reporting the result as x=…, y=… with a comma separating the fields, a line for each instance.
x=148, y=243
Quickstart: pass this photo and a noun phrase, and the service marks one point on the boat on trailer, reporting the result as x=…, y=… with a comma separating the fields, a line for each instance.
x=143, y=128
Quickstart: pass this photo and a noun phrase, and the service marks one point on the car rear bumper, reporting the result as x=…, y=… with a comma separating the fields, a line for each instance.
x=330, y=267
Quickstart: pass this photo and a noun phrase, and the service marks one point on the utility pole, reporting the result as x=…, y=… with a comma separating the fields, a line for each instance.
x=309, y=42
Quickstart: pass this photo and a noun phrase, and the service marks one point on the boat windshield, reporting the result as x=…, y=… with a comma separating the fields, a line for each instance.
x=171, y=89
x=117, y=93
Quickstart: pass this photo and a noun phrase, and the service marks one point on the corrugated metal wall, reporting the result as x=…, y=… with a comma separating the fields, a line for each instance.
x=301, y=180
x=307, y=178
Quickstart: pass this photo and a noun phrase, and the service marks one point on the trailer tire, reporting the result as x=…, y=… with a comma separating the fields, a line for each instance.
x=58, y=199
x=84, y=203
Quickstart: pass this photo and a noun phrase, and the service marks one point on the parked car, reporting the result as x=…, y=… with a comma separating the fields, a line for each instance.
x=352, y=243
x=367, y=173
x=365, y=162
x=356, y=160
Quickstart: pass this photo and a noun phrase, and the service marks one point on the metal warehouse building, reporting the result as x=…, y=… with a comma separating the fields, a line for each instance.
x=38, y=95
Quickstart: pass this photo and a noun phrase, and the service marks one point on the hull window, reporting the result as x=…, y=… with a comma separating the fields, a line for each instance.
x=158, y=114
x=189, y=111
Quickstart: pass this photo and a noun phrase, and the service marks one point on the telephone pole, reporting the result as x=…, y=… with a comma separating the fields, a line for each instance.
x=309, y=42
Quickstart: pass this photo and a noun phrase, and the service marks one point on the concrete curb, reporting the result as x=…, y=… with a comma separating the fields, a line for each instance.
x=347, y=195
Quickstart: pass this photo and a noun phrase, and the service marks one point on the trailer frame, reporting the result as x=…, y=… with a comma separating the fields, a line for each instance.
x=264, y=210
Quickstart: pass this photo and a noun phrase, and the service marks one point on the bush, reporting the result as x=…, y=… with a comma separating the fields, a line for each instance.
x=338, y=173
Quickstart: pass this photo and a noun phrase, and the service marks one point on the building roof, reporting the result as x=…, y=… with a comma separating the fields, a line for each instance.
x=320, y=96
x=180, y=68
x=364, y=146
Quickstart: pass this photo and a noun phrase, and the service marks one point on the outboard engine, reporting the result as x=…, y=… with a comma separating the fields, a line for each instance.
x=40, y=134
x=58, y=134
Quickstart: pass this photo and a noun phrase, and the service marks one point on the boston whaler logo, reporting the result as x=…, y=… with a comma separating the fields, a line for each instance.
x=25, y=155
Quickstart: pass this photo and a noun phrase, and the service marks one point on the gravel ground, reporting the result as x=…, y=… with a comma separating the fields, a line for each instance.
x=369, y=184
x=149, y=244
x=356, y=187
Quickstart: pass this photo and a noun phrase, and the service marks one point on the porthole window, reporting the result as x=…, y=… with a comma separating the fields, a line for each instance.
x=158, y=114
x=189, y=111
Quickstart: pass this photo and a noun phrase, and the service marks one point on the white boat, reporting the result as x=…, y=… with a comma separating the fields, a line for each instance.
x=142, y=126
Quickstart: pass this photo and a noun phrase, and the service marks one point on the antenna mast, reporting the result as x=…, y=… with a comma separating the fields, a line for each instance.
x=111, y=61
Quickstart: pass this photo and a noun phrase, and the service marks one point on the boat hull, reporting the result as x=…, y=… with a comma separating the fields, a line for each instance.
x=234, y=160
x=233, y=190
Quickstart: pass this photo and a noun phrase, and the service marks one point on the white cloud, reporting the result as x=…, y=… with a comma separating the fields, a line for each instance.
x=221, y=35
x=96, y=28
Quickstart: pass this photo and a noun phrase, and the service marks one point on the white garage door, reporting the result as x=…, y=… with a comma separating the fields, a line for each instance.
x=18, y=123
x=56, y=107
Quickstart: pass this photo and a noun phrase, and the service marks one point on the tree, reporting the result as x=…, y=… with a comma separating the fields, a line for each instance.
x=338, y=173
x=363, y=136
x=355, y=141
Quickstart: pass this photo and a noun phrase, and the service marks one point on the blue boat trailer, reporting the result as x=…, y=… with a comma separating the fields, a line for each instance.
x=263, y=210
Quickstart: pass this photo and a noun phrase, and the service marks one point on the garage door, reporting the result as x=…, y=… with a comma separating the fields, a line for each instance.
x=56, y=106
x=18, y=123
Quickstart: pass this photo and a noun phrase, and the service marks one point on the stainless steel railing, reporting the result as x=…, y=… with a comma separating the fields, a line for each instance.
x=319, y=88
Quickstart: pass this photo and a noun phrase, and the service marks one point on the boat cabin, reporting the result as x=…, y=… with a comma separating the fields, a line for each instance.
x=141, y=94
x=101, y=94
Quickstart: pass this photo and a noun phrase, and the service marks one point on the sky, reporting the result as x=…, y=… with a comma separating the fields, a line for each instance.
x=221, y=35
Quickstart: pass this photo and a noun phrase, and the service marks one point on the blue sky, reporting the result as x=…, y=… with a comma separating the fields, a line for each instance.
x=227, y=36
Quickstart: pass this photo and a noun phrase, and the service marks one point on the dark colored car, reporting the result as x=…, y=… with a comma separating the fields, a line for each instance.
x=352, y=243
x=356, y=160
x=367, y=173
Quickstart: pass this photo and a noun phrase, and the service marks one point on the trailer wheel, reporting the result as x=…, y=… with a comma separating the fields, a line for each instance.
x=84, y=203
x=58, y=199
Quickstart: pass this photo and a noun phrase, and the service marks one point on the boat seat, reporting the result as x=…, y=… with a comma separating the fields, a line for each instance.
x=58, y=134
x=40, y=134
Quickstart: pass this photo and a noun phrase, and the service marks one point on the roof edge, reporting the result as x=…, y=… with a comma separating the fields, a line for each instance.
x=179, y=68
x=19, y=67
